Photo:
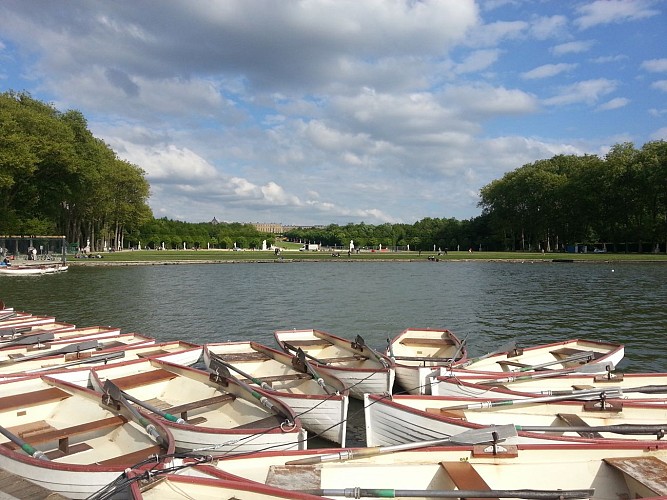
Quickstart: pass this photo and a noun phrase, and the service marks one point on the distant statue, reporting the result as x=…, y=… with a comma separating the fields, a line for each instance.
x=351, y=245
x=264, y=245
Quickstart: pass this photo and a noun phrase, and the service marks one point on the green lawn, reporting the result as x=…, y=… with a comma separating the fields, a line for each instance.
x=294, y=255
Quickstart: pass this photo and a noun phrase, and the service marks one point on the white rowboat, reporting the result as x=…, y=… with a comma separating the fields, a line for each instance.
x=564, y=355
x=404, y=418
x=218, y=416
x=418, y=352
x=359, y=367
x=321, y=407
x=623, y=470
x=86, y=444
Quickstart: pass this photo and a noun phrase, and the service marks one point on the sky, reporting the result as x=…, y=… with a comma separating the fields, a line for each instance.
x=317, y=112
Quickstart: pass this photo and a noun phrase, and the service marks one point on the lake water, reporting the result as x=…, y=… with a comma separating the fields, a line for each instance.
x=488, y=303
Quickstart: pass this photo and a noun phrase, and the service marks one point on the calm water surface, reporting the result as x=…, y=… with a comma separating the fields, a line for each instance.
x=488, y=303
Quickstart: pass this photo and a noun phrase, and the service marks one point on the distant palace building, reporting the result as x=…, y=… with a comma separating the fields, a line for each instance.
x=268, y=227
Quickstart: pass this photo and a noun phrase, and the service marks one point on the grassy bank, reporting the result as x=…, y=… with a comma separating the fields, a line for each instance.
x=214, y=256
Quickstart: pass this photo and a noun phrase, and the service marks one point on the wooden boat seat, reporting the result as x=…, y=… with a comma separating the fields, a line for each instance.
x=575, y=420
x=243, y=356
x=295, y=477
x=650, y=472
x=185, y=408
x=413, y=341
x=42, y=432
x=566, y=352
x=309, y=343
x=431, y=359
x=465, y=477
x=264, y=423
x=145, y=378
x=52, y=394
x=133, y=458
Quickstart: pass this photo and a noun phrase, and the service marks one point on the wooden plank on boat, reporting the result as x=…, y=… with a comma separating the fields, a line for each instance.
x=185, y=408
x=144, y=378
x=132, y=458
x=465, y=477
x=295, y=477
x=566, y=352
x=53, y=434
x=285, y=378
x=264, y=423
x=310, y=343
x=650, y=472
x=575, y=420
x=43, y=396
x=414, y=341
x=243, y=356
x=343, y=359
x=13, y=486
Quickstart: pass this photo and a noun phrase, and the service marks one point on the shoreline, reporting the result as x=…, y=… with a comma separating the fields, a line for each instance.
x=171, y=262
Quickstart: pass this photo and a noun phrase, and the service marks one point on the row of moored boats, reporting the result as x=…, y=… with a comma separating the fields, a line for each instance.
x=92, y=412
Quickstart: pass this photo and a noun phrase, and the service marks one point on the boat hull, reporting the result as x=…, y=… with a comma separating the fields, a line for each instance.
x=529, y=467
x=322, y=412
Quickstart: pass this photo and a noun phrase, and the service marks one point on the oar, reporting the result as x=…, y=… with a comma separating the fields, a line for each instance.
x=217, y=366
x=151, y=408
x=646, y=389
x=309, y=356
x=37, y=338
x=24, y=446
x=7, y=315
x=586, y=393
x=360, y=343
x=112, y=392
x=393, y=493
x=583, y=369
x=658, y=429
x=83, y=361
x=569, y=359
x=505, y=348
x=81, y=346
x=470, y=437
x=13, y=332
x=301, y=360
x=257, y=381
x=459, y=349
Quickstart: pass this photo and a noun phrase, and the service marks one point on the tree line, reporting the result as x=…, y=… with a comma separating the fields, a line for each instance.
x=619, y=201
x=57, y=178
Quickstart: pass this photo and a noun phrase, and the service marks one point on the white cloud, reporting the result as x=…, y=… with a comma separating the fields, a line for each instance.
x=660, y=85
x=477, y=61
x=618, y=102
x=317, y=111
x=587, y=92
x=547, y=70
x=544, y=28
x=572, y=47
x=613, y=11
x=655, y=65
